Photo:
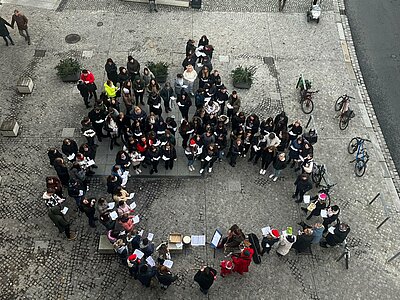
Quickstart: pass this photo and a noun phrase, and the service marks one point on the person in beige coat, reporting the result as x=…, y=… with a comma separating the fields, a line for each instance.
x=189, y=76
x=285, y=244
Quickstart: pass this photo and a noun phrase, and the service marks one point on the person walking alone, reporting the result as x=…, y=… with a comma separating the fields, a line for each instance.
x=22, y=24
x=205, y=277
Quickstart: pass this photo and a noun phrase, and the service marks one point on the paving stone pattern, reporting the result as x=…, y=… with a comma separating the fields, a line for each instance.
x=38, y=263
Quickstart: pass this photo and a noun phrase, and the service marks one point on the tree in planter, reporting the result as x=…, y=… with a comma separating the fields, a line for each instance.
x=160, y=70
x=69, y=69
x=243, y=77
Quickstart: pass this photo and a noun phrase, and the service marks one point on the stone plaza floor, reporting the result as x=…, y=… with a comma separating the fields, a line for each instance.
x=38, y=263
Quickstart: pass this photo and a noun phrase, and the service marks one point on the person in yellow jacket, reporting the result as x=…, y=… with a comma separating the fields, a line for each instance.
x=110, y=89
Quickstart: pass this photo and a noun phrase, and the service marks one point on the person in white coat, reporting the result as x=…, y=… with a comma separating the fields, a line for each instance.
x=285, y=244
x=189, y=76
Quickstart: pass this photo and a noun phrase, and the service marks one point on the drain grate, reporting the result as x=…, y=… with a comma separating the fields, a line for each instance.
x=39, y=53
x=342, y=12
x=72, y=38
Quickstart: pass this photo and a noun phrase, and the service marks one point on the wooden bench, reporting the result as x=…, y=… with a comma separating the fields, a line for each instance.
x=181, y=3
x=105, y=247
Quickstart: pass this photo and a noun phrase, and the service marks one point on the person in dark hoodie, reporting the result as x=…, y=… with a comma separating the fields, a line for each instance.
x=4, y=33
x=165, y=277
x=168, y=153
x=205, y=277
x=84, y=91
x=337, y=237
x=303, y=185
x=133, y=67
x=53, y=153
x=145, y=274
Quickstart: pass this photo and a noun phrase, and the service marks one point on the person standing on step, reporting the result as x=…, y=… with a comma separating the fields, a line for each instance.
x=84, y=91
x=138, y=87
x=133, y=67
x=88, y=206
x=209, y=156
x=111, y=70
x=184, y=103
x=168, y=152
x=4, y=31
x=22, y=24
x=88, y=78
x=153, y=6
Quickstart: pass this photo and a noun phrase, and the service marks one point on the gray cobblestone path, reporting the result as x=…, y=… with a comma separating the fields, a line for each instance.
x=37, y=263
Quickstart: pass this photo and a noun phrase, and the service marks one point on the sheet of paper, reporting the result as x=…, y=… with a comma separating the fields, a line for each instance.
x=71, y=157
x=266, y=230
x=113, y=215
x=331, y=229
x=216, y=238
x=80, y=193
x=172, y=98
x=111, y=205
x=136, y=219
x=138, y=253
x=150, y=236
x=132, y=205
x=90, y=163
x=208, y=158
x=168, y=263
x=198, y=240
x=64, y=210
x=284, y=232
x=306, y=199
x=150, y=261
x=324, y=213
x=131, y=195
x=141, y=232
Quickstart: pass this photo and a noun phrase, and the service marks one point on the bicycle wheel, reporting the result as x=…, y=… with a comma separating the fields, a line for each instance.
x=359, y=168
x=307, y=106
x=352, y=147
x=339, y=103
x=343, y=122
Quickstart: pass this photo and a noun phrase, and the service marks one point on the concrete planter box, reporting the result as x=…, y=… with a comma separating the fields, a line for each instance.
x=9, y=128
x=25, y=85
x=71, y=78
x=242, y=85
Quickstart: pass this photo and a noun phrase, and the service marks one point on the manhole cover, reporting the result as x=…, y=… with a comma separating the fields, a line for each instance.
x=72, y=38
x=39, y=53
x=99, y=24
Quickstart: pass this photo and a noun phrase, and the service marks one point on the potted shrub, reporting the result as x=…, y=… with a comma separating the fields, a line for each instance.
x=160, y=70
x=69, y=70
x=243, y=77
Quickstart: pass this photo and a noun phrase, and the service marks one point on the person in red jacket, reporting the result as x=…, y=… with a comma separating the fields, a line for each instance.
x=242, y=262
x=88, y=78
x=226, y=268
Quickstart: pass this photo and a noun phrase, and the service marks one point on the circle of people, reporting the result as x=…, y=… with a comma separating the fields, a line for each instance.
x=148, y=139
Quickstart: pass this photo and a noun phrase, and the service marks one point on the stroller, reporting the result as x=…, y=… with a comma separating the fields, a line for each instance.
x=314, y=12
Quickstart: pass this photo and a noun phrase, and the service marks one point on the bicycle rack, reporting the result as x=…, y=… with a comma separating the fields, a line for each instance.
x=385, y=209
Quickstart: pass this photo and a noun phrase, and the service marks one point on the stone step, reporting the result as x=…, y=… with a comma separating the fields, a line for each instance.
x=105, y=247
x=181, y=3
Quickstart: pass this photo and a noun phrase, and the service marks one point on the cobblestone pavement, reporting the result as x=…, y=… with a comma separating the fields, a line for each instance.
x=38, y=263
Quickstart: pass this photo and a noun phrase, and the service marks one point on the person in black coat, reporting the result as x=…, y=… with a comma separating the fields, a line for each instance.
x=168, y=153
x=62, y=171
x=236, y=150
x=84, y=91
x=97, y=117
x=320, y=204
x=145, y=274
x=184, y=103
x=303, y=241
x=70, y=149
x=332, y=216
x=165, y=277
x=205, y=277
x=4, y=31
x=166, y=93
x=111, y=70
x=281, y=121
x=53, y=153
x=147, y=247
x=303, y=185
x=337, y=237
x=113, y=182
x=88, y=206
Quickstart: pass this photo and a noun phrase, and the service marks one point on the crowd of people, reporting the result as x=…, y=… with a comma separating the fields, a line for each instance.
x=217, y=131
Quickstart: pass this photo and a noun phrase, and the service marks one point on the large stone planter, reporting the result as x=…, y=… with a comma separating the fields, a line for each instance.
x=71, y=78
x=242, y=85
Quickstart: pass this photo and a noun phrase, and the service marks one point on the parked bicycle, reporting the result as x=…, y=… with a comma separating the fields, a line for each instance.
x=362, y=157
x=342, y=104
x=306, y=102
x=345, y=254
x=307, y=105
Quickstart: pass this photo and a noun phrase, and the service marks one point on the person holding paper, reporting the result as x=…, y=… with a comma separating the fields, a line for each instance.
x=233, y=105
x=286, y=242
x=52, y=182
x=134, y=238
x=53, y=153
x=120, y=195
x=319, y=204
x=122, y=250
x=208, y=158
x=166, y=93
x=269, y=240
x=62, y=171
x=184, y=103
x=124, y=209
x=88, y=207
x=168, y=153
x=338, y=236
x=154, y=103
x=165, y=277
x=147, y=247
x=76, y=190
x=332, y=216
x=303, y=240
x=97, y=117
x=163, y=253
x=61, y=223
x=70, y=149
x=303, y=185
x=117, y=171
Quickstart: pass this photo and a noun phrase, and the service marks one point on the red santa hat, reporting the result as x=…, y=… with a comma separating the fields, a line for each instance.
x=132, y=257
x=227, y=264
x=275, y=233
